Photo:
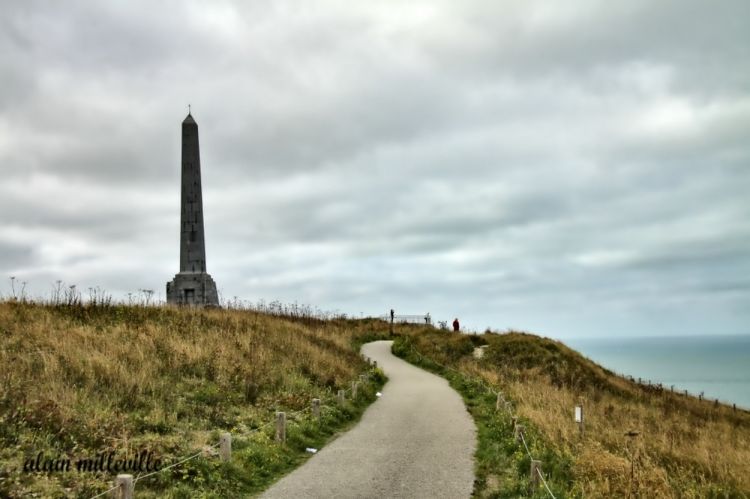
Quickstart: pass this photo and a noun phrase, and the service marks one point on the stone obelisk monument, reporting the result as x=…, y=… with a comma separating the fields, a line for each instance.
x=193, y=285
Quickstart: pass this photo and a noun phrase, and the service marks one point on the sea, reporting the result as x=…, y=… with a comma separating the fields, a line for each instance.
x=718, y=366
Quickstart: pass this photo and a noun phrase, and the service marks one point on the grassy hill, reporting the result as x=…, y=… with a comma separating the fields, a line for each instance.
x=683, y=448
x=77, y=381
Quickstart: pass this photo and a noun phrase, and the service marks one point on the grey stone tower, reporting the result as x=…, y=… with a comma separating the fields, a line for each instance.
x=193, y=285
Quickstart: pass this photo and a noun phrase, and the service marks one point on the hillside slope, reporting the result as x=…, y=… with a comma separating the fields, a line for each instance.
x=683, y=448
x=81, y=381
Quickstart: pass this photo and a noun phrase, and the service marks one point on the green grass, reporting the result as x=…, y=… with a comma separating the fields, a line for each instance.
x=257, y=459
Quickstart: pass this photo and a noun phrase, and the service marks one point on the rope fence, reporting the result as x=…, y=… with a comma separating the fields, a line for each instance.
x=541, y=475
x=536, y=465
x=124, y=486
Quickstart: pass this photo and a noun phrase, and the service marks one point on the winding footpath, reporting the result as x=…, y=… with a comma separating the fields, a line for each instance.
x=416, y=441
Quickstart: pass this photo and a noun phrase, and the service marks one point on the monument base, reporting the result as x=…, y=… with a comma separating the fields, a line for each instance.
x=196, y=289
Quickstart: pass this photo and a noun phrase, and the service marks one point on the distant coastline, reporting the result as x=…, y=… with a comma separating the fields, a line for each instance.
x=717, y=365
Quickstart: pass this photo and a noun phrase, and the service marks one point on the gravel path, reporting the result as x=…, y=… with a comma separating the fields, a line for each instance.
x=416, y=441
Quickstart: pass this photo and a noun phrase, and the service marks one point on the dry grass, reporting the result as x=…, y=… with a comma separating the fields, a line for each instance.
x=78, y=380
x=685, y=448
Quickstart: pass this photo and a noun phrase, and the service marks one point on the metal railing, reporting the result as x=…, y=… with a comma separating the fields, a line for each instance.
x=408, y=319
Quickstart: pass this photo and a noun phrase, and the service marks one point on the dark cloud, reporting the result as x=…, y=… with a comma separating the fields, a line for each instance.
x=15, y=256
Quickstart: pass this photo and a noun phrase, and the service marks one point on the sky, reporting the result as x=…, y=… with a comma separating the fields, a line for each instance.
x=571, y=168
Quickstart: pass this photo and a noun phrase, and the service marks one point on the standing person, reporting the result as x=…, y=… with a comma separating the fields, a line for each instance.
x=456, y=325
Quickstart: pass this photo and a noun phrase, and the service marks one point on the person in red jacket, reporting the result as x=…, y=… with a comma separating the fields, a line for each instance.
x=456, y=326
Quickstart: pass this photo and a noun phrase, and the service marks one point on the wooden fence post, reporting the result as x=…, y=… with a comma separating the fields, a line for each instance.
x=126, y=486
x=498, y=400
x=225, y=446
x=536, y=469
x=316, y=409
x=518, y=433
x=342, y=396
x=355, y=386
x=281, y=427
x=363, y=378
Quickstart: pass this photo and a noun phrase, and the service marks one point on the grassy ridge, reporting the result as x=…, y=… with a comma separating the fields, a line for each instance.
x=684, y=448
x=80, y=380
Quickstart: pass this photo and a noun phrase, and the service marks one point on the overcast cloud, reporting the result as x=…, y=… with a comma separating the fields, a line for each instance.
x=572, y=168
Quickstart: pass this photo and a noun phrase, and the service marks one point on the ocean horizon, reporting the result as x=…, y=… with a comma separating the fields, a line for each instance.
x=718, y=366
